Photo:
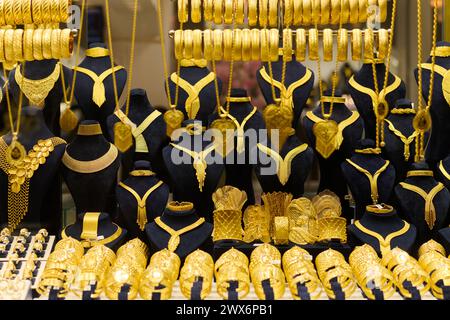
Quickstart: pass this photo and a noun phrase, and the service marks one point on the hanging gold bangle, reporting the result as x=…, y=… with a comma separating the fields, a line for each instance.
x=310, y=12
x=383, y=43
x=229, y=11
x=264, y=45
x=207, y=44
x=66, y=43
x=208, y=10
x=188, y=44
x=288, y=12
x=18, y=45
x=36, y=12
x=46, y=11
x=369, y=48
x=227, y=44
x=327, y=45
x=26, y=12
x=273, y=13
x=56, y=44
x=237, y=44
x=342, y=44
x=246, y=45
x=8, y=11
x=218, y=11
x=197, y=44
x=2, y=46
x=64, y=10
x=252, y=13
x=9, y=49
x=183, y=11
x=55, y=11
x=345, y=11
x=325, y=11
x=240, y=15
x=218, y=44
x=297, y=12
x=382, y=4
x=196, y=10
x=300, y=53
x=263, y=11
x=17, y=12
x=255, y=40
x=354, y=11
x=336, y=11
x=178, y=44
x=274, y=40
x=362, y=7
x=2, y=13
x=356, y=44
x=47, y=43
x=313, y=43
x=287, y=44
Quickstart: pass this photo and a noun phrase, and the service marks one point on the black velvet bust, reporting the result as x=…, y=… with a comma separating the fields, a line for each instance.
x=155, y=135
x=207, y=95
x=44, y=209
x=84, y=87
x=106, y=228
x=442, y=172
x=359, y=183
x=36, y=70
x=444, y=238
x=300, y=168
x=239, y=174
x=294, y=72
x=183, y=176
x=363, y=101
x=439, y=145
x=92, y=192
x=331, y=176
x=128, y=205
x=413, y=205
x=384, y=224
x=199, y=238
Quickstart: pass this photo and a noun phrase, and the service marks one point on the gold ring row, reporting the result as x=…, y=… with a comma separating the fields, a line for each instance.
x=24, y=12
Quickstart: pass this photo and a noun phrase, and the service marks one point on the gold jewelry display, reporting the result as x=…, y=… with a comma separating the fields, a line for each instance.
x=232, y=266
x=300, y=49
x=198, y=264
x=229, y=198
x=406, y=140
x=438, y=268
x=273, y=13
x=196, y=12
x=313, y=44
x=227, y=225
x=9, y=44
x=257, y=224
x=331, y=229
x=281, y=231
x=92, y=166
x=288, y=12
x=18, y=45
x=327, y=205
x=302, y=222
x=208, y=45
x=246, y=45
x=208, y=7
x=325, y=11
x=431, y=246
x=276, y=203
x=356, y=44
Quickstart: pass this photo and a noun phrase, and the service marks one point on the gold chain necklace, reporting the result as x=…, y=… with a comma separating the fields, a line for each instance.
x=174, y=240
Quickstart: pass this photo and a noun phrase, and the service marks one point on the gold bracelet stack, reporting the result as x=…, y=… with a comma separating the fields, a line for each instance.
x=198, y=265
x=257, y=224
x=302, y=222
x=276, y=203
x=25, y=12
x=232, y=269
x=299, y=270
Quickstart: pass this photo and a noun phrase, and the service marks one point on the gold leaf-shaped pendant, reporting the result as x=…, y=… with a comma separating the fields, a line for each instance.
x=68, y=120
x=123, y=137
x=226, y=128
x=173, y=244
x=15, y=152
x=325, y=132
x=422, y=121
x=278, y=118
x=174, y=119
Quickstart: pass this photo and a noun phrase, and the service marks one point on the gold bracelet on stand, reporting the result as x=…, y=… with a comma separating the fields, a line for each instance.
x=325, y=12
x=8, y=10
x=197, y=44
x=246, y=45
x=345, y=11
x=2, y=13
x=274, y=40
x=66, y=43
x=300, y=53
x=264, y=45
x=218, y=44
x=9, y=49
x=252, y=13
x=218, y=11
x=362, y=9
x=47, y=44
x=263, y=12
x=196, y=10
x=183, y=11
x=18, y=45
x=313, y=43
x=369, y=46
x=382, y=5
x=273, y=13
x=383, y=43
x=297, y=8
x=240, y=12
x=188, y=43
x=316, y=14
x=342, y=44
x=208, y=44
x=255, y=42
x=335, y=11
x=178, y=44
x=17, y=12
x=208, y=10
x=46, y=11
x=26, y=12
x=287, y=44
x=227, y=44
x=237, y=39
x=55, y=13
x=2, y=45
x=356, y=44
x=64, y=10
x=354, y=11
x=288, y=12
x=327, y=45
x=229, y=11
x=37, y=12
x=308, y=13
x=56, y=44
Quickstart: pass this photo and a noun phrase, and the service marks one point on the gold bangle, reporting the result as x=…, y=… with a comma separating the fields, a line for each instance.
x=309, y=12
x=9, y=49
x=56, y=43
x=255, y=41
x=17, y=12
x=264, y=45
x=36, y=12
x=240, y=15
x=2, y=46
x=208, y=44
x=287, y=44
x=196, y=10
x=188, y=44
x=263, y=11
x=208, y=10
x=325, y=11
x=229, y=11
x=342, y=44
x=18, y=45
x=281, y=230
x=336, y=11
x=227, y=44
x=66, y=43
x=246, y=45
x=178, y=44
x=274, y=41
x=382, y=5
x=64, y=10
x=46, y=11
x=288, y=12
x=328, y=45
x=26, y=12
x=297, y=12
x=273, y=13
x=362, y=9
x=55, y=14
x=197, y=44
x=218, y=11
x=2, y=13
x=300, y=53
x=345, y=11
x=252, y=13
x=47, y=44
x=313, y=43
x=383, y=43
x=356, y=44
x=183, y=11
x=218, y=44
x=369, y=48
x=354, y=11
x=237, y=45
x=8, y=11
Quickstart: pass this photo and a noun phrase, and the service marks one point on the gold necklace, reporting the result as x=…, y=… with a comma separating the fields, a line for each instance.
x=91, y=166
x=37, y=90
x=174, y=240
x=91, y=243
x=406, y=140
x=142, y=173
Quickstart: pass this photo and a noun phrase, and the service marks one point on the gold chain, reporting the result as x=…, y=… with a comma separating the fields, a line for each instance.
x=14, y=131
x=216, y=86
x=111, y=55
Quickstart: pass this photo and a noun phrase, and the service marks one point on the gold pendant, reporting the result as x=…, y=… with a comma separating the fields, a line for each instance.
x=422, y=121
x=15, y=152
x=226, y=128
x=174, y=119
x=123, y=137
x=68, y=120
x=278, y=118
x=326, y=132
x=174, y=242
x=382, y=109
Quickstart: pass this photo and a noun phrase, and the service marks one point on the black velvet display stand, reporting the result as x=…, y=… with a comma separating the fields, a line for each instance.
x=199, y=238
x=395, y=148
x=239, y=174
x=358, y=182
x=128, y=205
x=442, y=172
x=444, y=238
x=84, y=87
x=155, y=135
x=44, y=205
x=331, y=176
x=439, y=145
x=36, y=70
x=413, y=205
x=207, y=95
x=364, y=102
x=92, y=192
x=294, y=72
x=182, y=173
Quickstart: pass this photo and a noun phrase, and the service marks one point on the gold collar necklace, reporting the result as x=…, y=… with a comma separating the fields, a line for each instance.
x=97, y=53
x=420, y=173
x=92, y=166
x=441, y=52
x=142, y=173
x=87, y=243
x=174, y=240
x=89, y=130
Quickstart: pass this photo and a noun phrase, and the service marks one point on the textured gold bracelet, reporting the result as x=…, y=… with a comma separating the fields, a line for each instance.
x=2, y=13
x=273, y=13
x=46, y=11
x=188, y=43
x=218, y=44
x=288, y=12
x=183, y=11
x=335, y=11
x=255, y=42
x=218, y=11
x=56, y=44
x=354, y=11
x=362, y=16
x=229, y=11
x=297, y=12
x=208, y=10
x=196, y=10
x=2, y=46
x=325, y=11
x=36, y=12
x=356, y=44
x=382, y=5
x=274, y=40
x=383, y=43
x=263, y=11
x=64, y=10
x=252, y=13
x=328, y=44
x=369, y=48
x=197, y=44
x=227, y=44
x=18, y=45
x=342, y=41
x=9, y=49
x=27, y=17
x=17, y=12
x=240, y=12
x=66, y=43
x=345, y=11
x=300, y=53
x=47, y=44
x=178, y=44
x=28, y=45
x=287, y=44
x=208, y=44
x=281, y=236
x=237, y=39
x=316, y=11
x=246, y=45
x=264, y=45
x=55, y=14
x=8, y=11
x=313, y=44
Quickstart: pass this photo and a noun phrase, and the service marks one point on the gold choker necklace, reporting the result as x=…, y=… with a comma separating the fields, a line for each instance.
x=326, y=99
x=89, y=130
x=201, y=63
x=97, y=53
x=142, y=173
x=174, y=240
x=91, y=166
x=103, y=241
x=379, y=209
x=368, y=151
x=441, y=52
x=420, y=173
x=239, y=99
x=403, y=111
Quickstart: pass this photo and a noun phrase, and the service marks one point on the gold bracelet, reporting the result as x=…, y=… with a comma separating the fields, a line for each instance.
x=9, y=49
x=196, y=10
x=369, y=48
x=27, y=17
x=313, y=43
x=178, y=44
x=218, y=11
x=8, y=12
x=227, y=44
x=246, y=45
x=188, y=44
x=56, y=43
x=382, y=5
x=17, y=12
x=287, y=44
x=2, y=46
x=252, y=13
x=18, y=45
x=297, y=12
x=64, y=10
x=273, y=13
x=229, y=11
x=240, y=14
x=183, y=11
x=47, y=44
x=345, y=11
x=237, y=44
x=362, y=7
x=336, y=11
x=281, y=230
x=208, y=44
x=354, y=11
x=327, y=45
x=356, y=44
x=255, y=41
x=383, y=43
x=325, y=11
x=66, y=43
x=310, y=12
x=55, y=7
x=218, y=44
x=46, y=11
x=274, y=40
x=197, y=44
x=208, y=10
x=2, y=13
x=288, y=12
x=264, y=45
x=36, y=12
x=263, y=11
x=300, y=53
x=342, y=44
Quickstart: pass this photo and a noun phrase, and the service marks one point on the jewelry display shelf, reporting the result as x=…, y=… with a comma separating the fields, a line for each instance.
x=24, y=294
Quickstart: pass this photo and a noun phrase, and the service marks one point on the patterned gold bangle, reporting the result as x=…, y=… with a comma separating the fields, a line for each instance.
x=256, y=49
x=9, y=49
x=55, y=14
x=273, y=13
x=28, y=45
x=237, y=39
x=252, y=13
x=297, y=12
x=66, y=43
x=325, y=11
x=345, y=11
x=27, y=18
x=64, y=10
x=47, y=43
x=354, y=11
x=229, y=10
x=56, y=44
x=313, y=43
x=288, y=12
x=208, y=10
x=17, y=12
x=46, y=11
x=208, y=44
x=197, y=44
x=315, y=11
x=183, y=11
x=369, y=48
x=2, y=13
x=263, y=11
x=264, y=45
x=2, y=46
x=218, y=44
x=246, y=45
x=18, y=45
x=196, y=11
x=281, y=230
x=287, y=44
x=227, y=44
x=383, y=43
x=336, y=11
x=188, y=44
x=178, y=44
x=342, y=44
x=300, y=53
x=274, y=40
x=240, y=12
x=362, y=7
x=36, y=11
x=218, y=11
x=8, y=11
x=356, y=44
x=328, y=45
x=382, y=4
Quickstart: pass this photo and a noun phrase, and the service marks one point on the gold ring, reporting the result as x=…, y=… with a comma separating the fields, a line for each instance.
x=300, y=53
x=208, y=44
x=356, y=44
x=218, y=44
x=9, y=49
x=274, y=41
x=196, y=10
x=263, y=11
x=297, y=12
x=56, y=43
x=208, y=10
x=256, y=50
x=197, y=44
x=18, y=48
x=246, y=45
x=227, y=44
x=252, y=13
x=313, y=42
x=328, y=45
x=218, y=11
x=287, y=44
x=342, y=44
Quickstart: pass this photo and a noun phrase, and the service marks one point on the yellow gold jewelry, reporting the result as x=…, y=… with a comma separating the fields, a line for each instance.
x=273, y=44
x=356, y=44
x=239, y=12
x=336, y=11
x=198, y=264
x=383, y=43
x=281, y=235
x=178, y=43
x=345, y=11
x=255, y=44
x=17, y=12
x=342, y=44
x=18, y=45
x=183, y=11
x=46, y=11
x=287, y=45
x=362, y=16
x=197, y=44
x=28, y=44
x=218, y=11
x=273, y=13
x=208, y=44
x=9, y=45
x=246, y=45
x=331, y=229
x=196, y=10
x=237, y=45
x=288, y=6
x=431, y=246
x=174, y=240
x=227, y=225
x=9, y=12
x=300, y=52
x=369, y=44
x=297, y=12
x=308, y=14
x=26, y=12
x=2, y=13
x=64, y=10
x=218, y=44
x=313, y=42
x=55, y=13
x=208, y=10
x=263, y=12
x=47, y=44
x=229, y=11
x=325, y=12
x=37, y=12
x=354, y=11
x=2, y=45
x=56, y=43
x=264, y=45
x=252, y=13
x=66, y=43
x=316, y=12
x=227, y=44
x=328, y=45
x=232, y=266
x=188, y=44
x=37, y=44
x=257, y=224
